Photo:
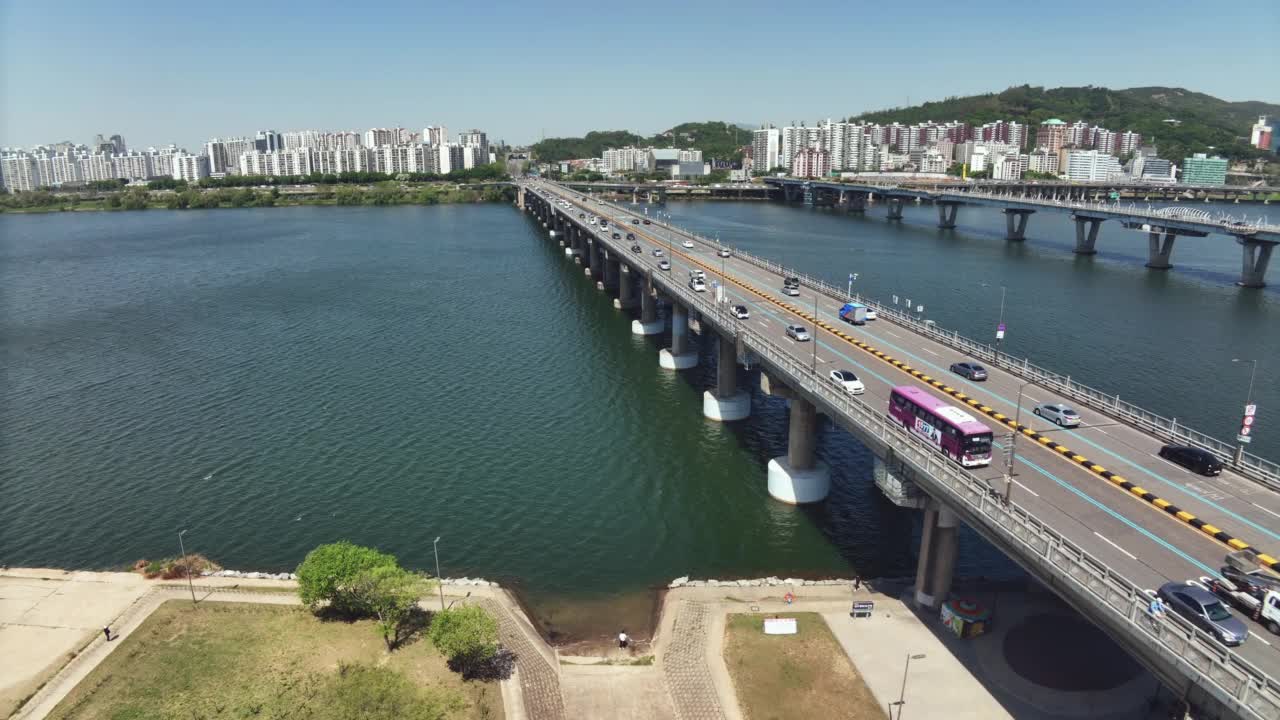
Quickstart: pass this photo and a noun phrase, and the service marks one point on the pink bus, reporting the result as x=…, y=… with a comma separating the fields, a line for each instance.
x=950, y=429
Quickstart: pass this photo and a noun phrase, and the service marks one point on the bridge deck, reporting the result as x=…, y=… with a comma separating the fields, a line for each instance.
x=1133, y=535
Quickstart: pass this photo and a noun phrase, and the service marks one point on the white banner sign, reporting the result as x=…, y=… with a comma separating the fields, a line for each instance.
x=779, y=626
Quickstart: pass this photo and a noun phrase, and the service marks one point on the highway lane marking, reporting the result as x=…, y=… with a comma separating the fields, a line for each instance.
x=1273, y=512
x=1138, y=492
x=894, y=334
x=1037, y=402
x=932, y=352
x=1261, y=639
x=1112, y=544
x=1167, y=482
x=1027, y=489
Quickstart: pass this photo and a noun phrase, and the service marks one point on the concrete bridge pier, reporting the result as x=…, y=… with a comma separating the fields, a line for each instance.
x=1086, y=234
x=937, y=556
x=895, y=207
x=726, y=403
x=593, y=261
x=648, y=324
x=947, y=214
x=678, y=356
x=799, y=476
x=626, y=288
x=1256, y=257
x=1158, y=252
x=1015, y=221
x=612, y=269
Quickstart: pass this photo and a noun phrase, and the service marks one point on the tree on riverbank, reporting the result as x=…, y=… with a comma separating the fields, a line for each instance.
x=356, y=581
x=468, y=637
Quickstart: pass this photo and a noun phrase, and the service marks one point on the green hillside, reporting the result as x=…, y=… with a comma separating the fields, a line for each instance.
x=718, y=140
x=1208, y=124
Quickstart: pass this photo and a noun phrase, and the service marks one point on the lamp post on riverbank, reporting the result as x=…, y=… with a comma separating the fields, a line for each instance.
x=902, y=694
x=439, y=580
x=186, y=566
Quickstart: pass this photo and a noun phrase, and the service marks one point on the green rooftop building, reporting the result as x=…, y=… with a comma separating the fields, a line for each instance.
x=1200, y=169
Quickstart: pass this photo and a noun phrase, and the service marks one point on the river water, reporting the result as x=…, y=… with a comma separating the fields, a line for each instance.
x=272, y=379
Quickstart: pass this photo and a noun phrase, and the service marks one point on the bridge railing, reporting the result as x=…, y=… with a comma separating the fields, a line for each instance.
x=1251, y=466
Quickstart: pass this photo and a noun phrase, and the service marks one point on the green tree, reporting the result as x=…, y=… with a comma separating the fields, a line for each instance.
x=391, y=594
x=467, y=634
x=328, y=572
x=347, y=195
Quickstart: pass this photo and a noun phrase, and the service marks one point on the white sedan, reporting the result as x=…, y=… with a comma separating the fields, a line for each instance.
x=848, y=381
x=688, y=244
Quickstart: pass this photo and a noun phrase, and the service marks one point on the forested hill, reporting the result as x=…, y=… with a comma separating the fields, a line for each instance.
x=1206, y=122
x=719, y=140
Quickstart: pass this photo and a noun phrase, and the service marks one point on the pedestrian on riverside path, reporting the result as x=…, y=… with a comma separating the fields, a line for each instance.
x=106, y=632
x=623, y=640
x=857, y=583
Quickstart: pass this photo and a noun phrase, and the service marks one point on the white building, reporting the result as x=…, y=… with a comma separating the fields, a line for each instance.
x=1042, y=162
x=627, y=159
x=795, y=139
x=932, y=161
x=766, y=144
x=19, y=172
x=691, y=156
x=96, y=166
x=340, y=160
x=473, y=138
x=190, y=167
x=1106, y=141
x=282, y=162
x=377, y=137
x=132, y=166
x=1091, y=166
x=435, y=135
x=1008, y=166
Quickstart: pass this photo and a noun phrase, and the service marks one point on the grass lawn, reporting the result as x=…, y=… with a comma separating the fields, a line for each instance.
x=234, y=660
x=806, y=675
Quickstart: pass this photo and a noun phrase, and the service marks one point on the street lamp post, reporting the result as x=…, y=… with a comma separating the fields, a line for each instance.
x=1013, y=445
x=814, y=338
x=186, y=566
x=902, y=693
x=849, y=292
x=1248, y=400
x=436, y=547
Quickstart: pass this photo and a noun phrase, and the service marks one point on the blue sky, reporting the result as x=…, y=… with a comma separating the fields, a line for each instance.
x=161, y=72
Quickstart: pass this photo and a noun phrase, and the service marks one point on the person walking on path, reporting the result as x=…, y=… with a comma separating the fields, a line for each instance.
x=106, y=632
x=623, y=640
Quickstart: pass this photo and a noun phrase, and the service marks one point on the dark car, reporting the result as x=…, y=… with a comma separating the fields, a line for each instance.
x=1204, y=610
x=635, y=221
x=973, y=371
x=1193, y=459
x=631, y=236
x=646, y=222
x=635, y=248
x=617, y=236
x=581, y=215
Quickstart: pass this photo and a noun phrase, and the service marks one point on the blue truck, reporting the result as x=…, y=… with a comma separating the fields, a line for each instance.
x=854, y=313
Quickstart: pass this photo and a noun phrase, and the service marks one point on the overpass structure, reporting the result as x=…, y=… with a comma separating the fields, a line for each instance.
x=1100, y=537
x=1019, y=201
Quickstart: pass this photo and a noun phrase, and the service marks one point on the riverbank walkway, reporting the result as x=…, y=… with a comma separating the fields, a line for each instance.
x=51, y=638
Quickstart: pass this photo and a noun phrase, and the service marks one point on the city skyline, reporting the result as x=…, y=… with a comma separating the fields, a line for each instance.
x=506, y=70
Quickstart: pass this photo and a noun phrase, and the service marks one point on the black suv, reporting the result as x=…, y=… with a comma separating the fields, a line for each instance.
x=1193, y=459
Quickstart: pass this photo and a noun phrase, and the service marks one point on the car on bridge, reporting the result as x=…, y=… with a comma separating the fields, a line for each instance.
x=617, y=236
x=698, y=273
x=725, y=252
x=635, y=248
x=1058, y=413
x=847, y=381
x=657, y=252
x=798, y=333
x=646, y=221
x=1192, y=458
x=791, y=290
x=972, y=371
x=664, y=265
x=740, y=311
x=697, y=284
x=631, y=236
x=581, y=215
x=688, y=244
x=1204, y=610
x=635, y=221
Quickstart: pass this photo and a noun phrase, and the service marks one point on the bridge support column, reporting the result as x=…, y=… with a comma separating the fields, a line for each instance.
x=937, y=556
x=626, y=288
x=678, y=356
x=1086, y=234
x=895, y=207
x=612, y=269
x=1256, y=257
x=947, y=214
x=857, y=202
x=726, y=403
x=1016, y=224
x=1158, y=252
x=799, y=476
x=593, y=260
x=648, y=324
x=556, y=228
